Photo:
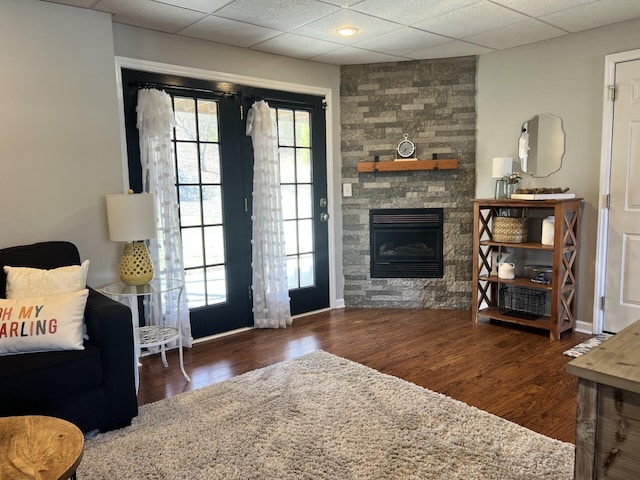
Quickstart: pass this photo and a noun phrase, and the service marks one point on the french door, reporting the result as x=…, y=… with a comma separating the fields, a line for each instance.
x=300, y=122
x=213, y=163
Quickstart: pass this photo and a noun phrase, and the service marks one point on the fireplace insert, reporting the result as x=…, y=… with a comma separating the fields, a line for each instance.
x=406, y=243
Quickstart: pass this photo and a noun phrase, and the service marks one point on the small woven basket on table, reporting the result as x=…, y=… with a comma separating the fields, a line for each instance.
x=509, y=229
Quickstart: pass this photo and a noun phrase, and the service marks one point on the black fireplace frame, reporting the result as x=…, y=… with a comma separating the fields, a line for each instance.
x=408, y=220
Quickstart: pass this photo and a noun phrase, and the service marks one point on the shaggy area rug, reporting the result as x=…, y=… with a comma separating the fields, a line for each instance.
x=321, y=417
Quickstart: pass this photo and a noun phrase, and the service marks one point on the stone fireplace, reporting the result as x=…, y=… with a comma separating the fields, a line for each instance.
x=433, y=101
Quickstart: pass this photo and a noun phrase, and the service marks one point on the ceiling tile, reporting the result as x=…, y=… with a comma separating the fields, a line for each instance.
x=540, y=7
x=592, y=15
x=473, y=19
x=221, y=30
x=296, y=46
x=354, y=56
x=402, y=41
x=149, y=14
x=408, y=12
x=278, y=14
x=516, y=34
x=455, y=48
x=368, y=27
x=206, y=6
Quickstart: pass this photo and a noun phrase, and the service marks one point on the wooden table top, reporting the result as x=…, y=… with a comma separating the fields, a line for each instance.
x=38, y=447
x=615, y=362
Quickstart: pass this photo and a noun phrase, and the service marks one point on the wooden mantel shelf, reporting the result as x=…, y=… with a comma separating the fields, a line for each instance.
x=404, y=166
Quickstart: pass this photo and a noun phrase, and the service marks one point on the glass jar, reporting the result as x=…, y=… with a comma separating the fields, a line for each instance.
x=501, y=188
x=548, y=230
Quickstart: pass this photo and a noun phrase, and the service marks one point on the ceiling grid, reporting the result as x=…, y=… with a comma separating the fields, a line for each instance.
x=395, y=30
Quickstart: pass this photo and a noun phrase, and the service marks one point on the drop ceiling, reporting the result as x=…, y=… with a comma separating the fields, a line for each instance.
x=388, y=30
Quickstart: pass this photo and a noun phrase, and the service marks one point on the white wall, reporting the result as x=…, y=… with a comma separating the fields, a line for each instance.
x=565, y=77
x=59, y=139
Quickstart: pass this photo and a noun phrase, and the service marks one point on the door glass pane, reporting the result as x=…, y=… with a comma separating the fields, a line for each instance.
x=292, y=272
x=304, y=201
x=210, y=163
x=285, y=128
x=214, y=245
x=288, y=201
x=303, y=130
x=303, y=165
x=216, y=285
x=207, y=121
x=195, y=287
x=306, y=270
x=187, y=158
x=212, y=204
x=305, y=237
x=287, y=165
x=189, y=197
x=291, y=237
x=192, y=247
x=184, y=112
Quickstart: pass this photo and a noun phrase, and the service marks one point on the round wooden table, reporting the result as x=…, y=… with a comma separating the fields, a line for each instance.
x=38, y=447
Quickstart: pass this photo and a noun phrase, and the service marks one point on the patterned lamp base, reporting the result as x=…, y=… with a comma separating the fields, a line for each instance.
x=135, y=266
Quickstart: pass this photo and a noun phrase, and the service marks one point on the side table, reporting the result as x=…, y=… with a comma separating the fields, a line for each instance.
x=35, y=446
x=154, y=334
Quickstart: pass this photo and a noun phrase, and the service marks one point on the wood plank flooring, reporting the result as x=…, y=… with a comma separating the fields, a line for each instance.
x=513, y=373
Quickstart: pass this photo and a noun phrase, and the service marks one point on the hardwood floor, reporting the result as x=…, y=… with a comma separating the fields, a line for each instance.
x=513, y=373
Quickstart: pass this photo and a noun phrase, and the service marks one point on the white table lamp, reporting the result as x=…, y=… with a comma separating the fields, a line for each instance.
x=501, y=168
x=132, y=218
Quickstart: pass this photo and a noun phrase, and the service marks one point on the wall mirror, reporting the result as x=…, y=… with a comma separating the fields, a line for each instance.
x=541, y=145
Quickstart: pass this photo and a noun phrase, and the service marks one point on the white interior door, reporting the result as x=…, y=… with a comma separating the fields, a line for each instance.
x=622, y=294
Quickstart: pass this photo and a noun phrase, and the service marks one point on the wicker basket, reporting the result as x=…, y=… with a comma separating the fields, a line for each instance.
x=509, y=229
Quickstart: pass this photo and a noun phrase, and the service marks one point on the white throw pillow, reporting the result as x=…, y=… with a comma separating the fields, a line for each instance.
x=41, y=324
x=33, y=282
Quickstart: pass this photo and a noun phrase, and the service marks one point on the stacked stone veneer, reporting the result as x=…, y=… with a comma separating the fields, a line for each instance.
x=433, y=101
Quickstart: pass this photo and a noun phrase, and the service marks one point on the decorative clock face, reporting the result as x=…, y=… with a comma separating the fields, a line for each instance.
x=405, y=147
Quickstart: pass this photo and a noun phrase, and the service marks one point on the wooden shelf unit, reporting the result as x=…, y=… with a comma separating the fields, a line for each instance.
x=564, y=255
x=408, y=165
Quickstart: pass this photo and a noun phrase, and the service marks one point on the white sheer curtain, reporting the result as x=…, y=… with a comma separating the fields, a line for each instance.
x=270, y=289
x=155, y=119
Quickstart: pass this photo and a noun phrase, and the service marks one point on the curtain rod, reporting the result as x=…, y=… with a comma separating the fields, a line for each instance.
x=257, y=98
x=190, y=89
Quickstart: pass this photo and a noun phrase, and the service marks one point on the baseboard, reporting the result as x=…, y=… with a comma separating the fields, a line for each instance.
x=340, y=303
x=223, y=334
x=584, y=327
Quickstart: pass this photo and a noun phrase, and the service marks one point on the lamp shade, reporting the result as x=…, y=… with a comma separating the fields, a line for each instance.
x=131, y=216
x=502, y=167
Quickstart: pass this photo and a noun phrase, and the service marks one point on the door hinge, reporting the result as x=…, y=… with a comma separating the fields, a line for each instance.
x=250, y=292
x=607, y=201
x=246, y=205
x=241, y=112
x=611, y=93
x=602, y=303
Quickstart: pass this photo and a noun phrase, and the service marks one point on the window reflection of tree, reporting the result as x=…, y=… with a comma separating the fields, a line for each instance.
x=202, y=130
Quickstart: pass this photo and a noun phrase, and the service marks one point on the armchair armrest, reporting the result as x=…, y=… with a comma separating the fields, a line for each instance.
x=109, y=326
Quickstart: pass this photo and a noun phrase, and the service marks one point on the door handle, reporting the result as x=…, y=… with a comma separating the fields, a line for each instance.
x=324, y=217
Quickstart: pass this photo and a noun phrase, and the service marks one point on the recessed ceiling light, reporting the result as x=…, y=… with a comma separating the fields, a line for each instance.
x=347, y=31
